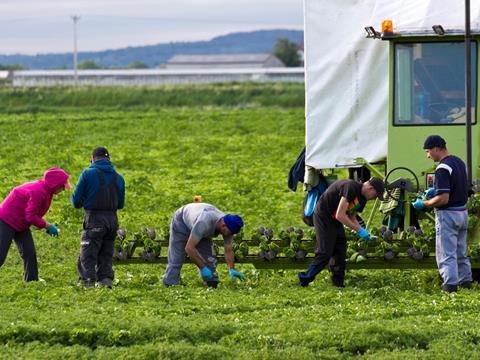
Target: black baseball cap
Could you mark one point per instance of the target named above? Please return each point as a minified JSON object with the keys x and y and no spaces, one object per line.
{"x":101,"y":152}
{"x":434,"y":141}
{"x":378,"y":185}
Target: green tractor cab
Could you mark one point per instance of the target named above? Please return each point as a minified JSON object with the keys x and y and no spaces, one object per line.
{"x":390,"y":90}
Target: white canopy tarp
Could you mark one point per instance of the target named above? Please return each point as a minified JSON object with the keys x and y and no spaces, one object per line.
{"x":346,"y":74}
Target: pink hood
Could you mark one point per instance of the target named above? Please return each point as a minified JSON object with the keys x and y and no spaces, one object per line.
{"x":55,"y":179}
{"x":28,"y":203}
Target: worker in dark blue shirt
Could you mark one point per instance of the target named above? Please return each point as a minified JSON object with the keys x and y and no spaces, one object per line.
{"x":449,"y":198}
{"x":101,"y":192}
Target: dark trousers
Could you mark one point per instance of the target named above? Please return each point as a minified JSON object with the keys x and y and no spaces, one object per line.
{"x":26,"y":248}
{"x":331,"y":248}
{"x":97,"y":245}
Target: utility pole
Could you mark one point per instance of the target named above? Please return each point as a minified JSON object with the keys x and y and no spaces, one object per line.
{"x":468,"y":91}
{"x":75,"y":19}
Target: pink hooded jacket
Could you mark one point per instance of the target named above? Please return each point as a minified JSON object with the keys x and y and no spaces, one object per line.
{"x":28,"y":203}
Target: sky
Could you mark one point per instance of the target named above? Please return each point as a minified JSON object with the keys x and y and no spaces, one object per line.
{"x":46,"y":26}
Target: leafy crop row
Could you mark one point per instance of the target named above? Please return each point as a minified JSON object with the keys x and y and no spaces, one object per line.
{"x":237,"y":159}
{"x":296,"y":244}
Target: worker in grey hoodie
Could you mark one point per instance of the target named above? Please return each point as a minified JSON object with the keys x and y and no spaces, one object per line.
{"x":191,"y":232}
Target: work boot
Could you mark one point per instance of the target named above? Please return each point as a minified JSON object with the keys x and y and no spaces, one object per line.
{"x":449,"y":288}
{"x":338,"y":275}
{"x":338,"y":282}
{"x":106,"y":283}
{"x":466,"y":285}
{"x":303,"y":279}
{"x":212,"y":283}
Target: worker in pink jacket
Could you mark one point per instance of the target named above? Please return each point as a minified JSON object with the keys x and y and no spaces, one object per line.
{"x":25,"y":206}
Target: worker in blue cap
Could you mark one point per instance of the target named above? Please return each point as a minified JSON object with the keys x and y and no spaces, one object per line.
{"x":449,"y":198}
{"x":191,"y":231}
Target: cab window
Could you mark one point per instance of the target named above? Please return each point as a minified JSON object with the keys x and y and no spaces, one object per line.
{"x":429,"y":83}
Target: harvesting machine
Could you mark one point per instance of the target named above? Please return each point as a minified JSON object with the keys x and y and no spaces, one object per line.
{"x":380,"y":76}
{"x":387,"y":75}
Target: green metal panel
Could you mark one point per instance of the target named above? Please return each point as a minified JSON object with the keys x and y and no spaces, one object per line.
{"x":405,"y":143}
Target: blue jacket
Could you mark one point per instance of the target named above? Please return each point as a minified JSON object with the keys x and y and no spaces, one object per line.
{"x":89,"y":183}
{"x":297,"y":172}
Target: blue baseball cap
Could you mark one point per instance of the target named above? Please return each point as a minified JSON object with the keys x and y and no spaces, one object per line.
{"x":234,"y":223}
{"x":434,"y":141}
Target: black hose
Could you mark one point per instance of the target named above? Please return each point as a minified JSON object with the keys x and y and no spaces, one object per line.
{"x":395,"y":169}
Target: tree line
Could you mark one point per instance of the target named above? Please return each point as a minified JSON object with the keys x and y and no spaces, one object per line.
{"x":285,"y":50}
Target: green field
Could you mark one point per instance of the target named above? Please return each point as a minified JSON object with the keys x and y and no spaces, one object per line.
{"x":236,"y":154}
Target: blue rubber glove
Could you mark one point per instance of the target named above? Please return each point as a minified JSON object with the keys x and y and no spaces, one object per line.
{"x":364,"y":234}
{"x":206,"y":273}
{"x":52,"y":230}
{"x":418,"y":204}
{"x":430,"y":193}
{"x":236,"y":274}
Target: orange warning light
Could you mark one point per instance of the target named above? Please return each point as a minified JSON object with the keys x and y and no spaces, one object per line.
{"x":387,"y":26}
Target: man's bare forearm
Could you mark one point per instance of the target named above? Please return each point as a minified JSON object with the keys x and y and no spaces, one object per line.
{"x":230,"y":257}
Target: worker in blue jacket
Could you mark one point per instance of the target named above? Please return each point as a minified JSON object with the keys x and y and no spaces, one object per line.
{"x":101,"y":192}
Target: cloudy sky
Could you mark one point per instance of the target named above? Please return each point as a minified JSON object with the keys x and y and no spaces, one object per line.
{"x":42,"y":26}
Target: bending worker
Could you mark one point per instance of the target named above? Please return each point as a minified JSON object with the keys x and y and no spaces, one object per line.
{"x":449,"y":197}
{"x":25,"y":206}
{"x":336,"y":208}
{"x":191,"y":232}
{"x":101,"y":191}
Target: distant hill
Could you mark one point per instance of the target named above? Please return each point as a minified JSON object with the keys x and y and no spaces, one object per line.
{"x":253,"y":42}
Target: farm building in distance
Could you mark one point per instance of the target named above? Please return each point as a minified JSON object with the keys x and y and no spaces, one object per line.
{"x":239,"y":61}
{"x":151,"y":77}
